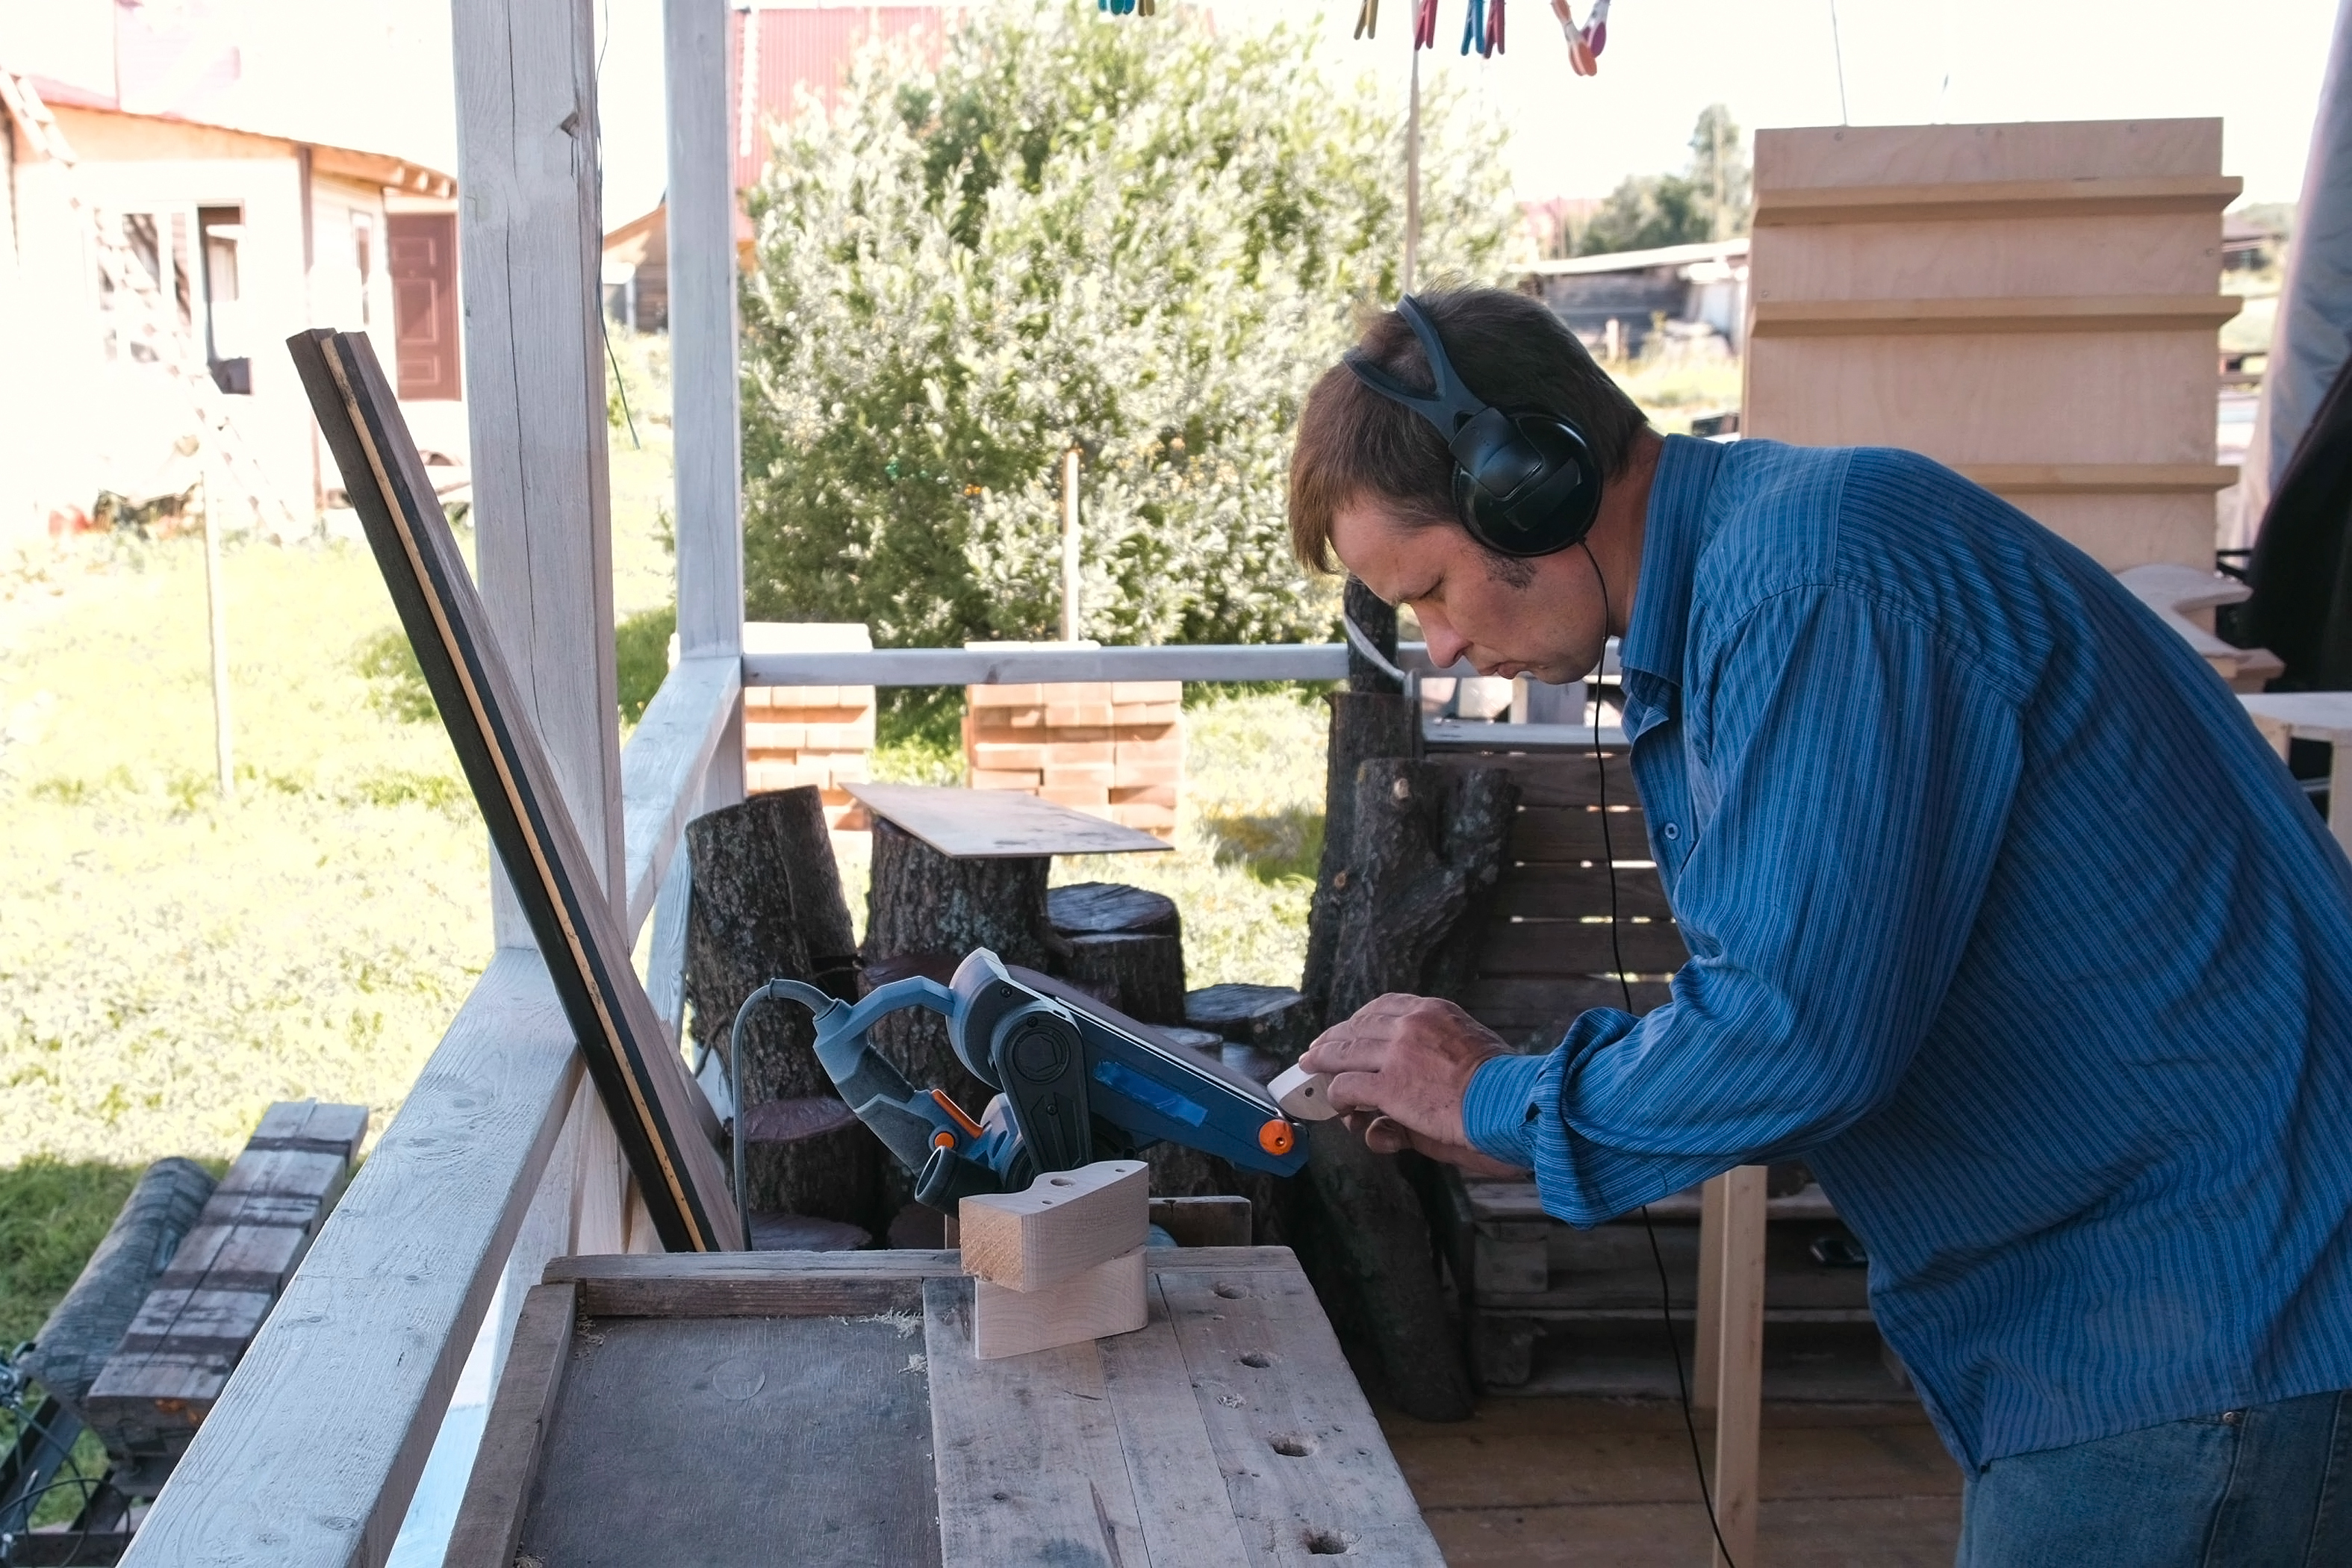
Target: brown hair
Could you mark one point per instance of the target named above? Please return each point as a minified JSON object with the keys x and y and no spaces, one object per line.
{"x":1509,"y":348}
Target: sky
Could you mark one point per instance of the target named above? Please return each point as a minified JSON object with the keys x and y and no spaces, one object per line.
{"x":2255,"y":63}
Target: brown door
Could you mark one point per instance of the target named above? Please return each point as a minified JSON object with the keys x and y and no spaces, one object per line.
{"x":422,"y":248}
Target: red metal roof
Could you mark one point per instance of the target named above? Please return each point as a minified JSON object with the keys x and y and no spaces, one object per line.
{"x":809,"y":47}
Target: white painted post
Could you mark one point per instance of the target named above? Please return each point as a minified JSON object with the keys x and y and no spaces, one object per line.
{"x":531,"y":245}
{"x":706,"y":413}
{"x":216,"y":623}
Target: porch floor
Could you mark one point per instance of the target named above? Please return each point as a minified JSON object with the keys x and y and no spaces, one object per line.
{"x":1559,"y":1480}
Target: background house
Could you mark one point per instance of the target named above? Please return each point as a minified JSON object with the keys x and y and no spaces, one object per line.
{"x":1612,"y":302}
{"x":175,"y":207}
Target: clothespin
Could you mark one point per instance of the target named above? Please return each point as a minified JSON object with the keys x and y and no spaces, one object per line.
{"x":1368,"y":19}
{"x":1473,"y":27}
{"x":1424,"y":24}
{"x":1581,"y":52}
{"x":1596,"y":28}
{"x":1494,"y":28}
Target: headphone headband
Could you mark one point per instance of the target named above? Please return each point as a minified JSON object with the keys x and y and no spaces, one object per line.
{"x":1523,"y":483}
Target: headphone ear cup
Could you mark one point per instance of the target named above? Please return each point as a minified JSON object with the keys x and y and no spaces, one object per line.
{"x":1552,"y":490}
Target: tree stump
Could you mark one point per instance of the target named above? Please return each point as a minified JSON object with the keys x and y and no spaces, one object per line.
{"x":1102,"y":908}
{"x":1272,"y":1020}
{"x":1121,"y":945}
{"x":768,"y":904}
{"x":1428,"y":841}
{"x":926,"y":912}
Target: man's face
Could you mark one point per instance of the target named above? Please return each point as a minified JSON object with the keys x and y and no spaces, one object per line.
{"x":1540,"y":616}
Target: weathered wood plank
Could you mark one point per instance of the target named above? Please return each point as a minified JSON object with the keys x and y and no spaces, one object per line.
{"x":738,"y":1441}
{"x":489,"y":1522}
{"x":310,"y":1126}
{"x":993,"y":823}
{"x":1188,"y":1518}
{"x":1306,"y":1469}
{"x":530,"y":245}
{"x":386,"y":1302}
{"x":1579,"y":947}
{"x":1050,"y":1484}
{"x":662,"y":773}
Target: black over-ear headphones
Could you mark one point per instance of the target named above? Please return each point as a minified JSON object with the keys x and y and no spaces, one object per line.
{"x":1525,"y":483}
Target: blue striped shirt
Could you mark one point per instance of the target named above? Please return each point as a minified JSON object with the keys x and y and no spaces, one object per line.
{"x":2003,"y":916}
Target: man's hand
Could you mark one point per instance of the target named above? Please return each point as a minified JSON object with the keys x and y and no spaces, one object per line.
{"x":1399,"y":1067}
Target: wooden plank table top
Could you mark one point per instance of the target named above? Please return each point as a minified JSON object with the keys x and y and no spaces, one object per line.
{"x":826,"y":1408}
{"x":995,"y":824}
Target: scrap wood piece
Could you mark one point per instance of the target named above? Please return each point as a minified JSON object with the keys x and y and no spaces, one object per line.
{"x":1093,"y":1304}
{"x":637,"y":1072}
{"x":1065,"y":1223}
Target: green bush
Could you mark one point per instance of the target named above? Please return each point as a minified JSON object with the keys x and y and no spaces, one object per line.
{"x":641,"y":652}
{"x":1144,"y":239}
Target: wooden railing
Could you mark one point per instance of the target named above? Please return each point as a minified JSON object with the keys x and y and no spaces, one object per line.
{"x":500,"y":1159}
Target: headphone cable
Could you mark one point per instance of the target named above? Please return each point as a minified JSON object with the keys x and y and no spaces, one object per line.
{"x":1625,"y":989}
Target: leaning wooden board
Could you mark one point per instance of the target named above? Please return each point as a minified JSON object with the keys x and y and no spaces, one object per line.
{"x":825,"y":1409}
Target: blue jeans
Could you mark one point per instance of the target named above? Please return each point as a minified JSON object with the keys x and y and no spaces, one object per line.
{"x":2266,"y":1487}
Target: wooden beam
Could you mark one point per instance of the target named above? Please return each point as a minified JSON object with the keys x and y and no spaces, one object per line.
{"x":990,"y":667}
{"x":2047,"y":313}
{"x":706,"y":416}
{"x":669,"y":757}
{"x":2101,"y":479}
{"x":529,"y":242}
{"x":1966,"y":200}
{"x":1065,"y":1223}
{"x":1738,"y":1359}
{"x":310,"y":1458}
{"x":490,"y":1523}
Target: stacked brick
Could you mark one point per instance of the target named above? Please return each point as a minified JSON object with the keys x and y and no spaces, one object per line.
{"x":820,"y":735}
{"x":1113,"y":749}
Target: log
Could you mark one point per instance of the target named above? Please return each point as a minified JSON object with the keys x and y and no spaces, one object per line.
{"x":1364,"y":725}
{"x":926,"y":911}
{"x":768,"y":904}
{"x":1092,"y":908}
{"x":1271,"y":1019}
{"x":1142,"y":975}
{"x":1423,"y":843}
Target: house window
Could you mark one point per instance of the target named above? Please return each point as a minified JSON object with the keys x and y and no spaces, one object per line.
{"x":227,"y":351}
{"x":422,"y":254}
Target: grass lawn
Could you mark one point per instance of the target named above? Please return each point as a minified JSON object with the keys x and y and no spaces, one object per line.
{"x":171,"y":962}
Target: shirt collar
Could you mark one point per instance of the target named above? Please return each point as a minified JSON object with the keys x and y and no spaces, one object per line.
{"x":1653,"y":643}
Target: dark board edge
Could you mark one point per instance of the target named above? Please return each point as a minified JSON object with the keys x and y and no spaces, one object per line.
{"x":489,"y":1520}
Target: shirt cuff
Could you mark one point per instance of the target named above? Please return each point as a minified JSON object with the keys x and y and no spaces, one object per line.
{"x":1501,"y":1112}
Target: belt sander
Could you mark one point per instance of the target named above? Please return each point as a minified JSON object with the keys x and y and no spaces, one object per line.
{"x":1077,"y":1082}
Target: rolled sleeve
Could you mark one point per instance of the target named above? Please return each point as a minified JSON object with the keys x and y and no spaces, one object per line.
{"x":1503,"y":1112}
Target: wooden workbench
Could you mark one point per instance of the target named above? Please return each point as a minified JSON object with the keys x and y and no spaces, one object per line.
{"x":825,"y":1409}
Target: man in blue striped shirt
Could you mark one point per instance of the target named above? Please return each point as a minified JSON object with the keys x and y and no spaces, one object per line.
{"x":1999,"y":914}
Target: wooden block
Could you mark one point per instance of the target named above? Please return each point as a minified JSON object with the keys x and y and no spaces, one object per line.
{"x":1059,"y":749}
{"x":1075,"y":691}
{"x":990,"y":721}
{"x":770,"y":737}
{"x":1124,"y":792}
{"x":1082,"y":775}
{"x":756,"y":698}
{"x":1066,"y":1221}
{"x":1155,"y":714}
{"x":1162,"y":691}
{"x":804,"y":696}
{"x":184,"y":1320}
{"x":848,"y":768}
{"x":1003,"y":695}
{"x":1076,"y":715}
{"x":1107,"y":1298}
{"x":1158,"y":819}
{"x":308,"y":1126}
{"x":1006,"y":778}
{"x":235,"y":1257}
{"x":1146,"y":752}
{"x":840,"y":737}
{"x":1301,"y":1094}
{"x":290,"y":1173}
{"x":1078,"y":797}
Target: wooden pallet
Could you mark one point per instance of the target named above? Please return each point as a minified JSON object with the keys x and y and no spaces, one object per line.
{"x":831,"y":1410}
{"x":208,"y":1303}
{"x":1528,"y":1277}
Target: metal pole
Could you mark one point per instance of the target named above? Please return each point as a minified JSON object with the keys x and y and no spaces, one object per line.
{"x":216,"y":615}
{"x":1413,"y":177}
{"x":1070,"y":545}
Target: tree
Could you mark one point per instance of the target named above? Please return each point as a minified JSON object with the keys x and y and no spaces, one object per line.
{"x":1144,"y":237}
{"x":1710,"y":201}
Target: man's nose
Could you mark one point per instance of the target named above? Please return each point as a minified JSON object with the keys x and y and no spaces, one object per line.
{"x":1445,"y":644}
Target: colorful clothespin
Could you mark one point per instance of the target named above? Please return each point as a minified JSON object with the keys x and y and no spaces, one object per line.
{"x":1583,"y":51}
{"x":1495,"y":28}
{"x":1368,"y":19}
{"x":1424,"y":24}
{"x":1473,"y":27}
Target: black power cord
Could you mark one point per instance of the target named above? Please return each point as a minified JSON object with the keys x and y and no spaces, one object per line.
{"x":1625,"y":989}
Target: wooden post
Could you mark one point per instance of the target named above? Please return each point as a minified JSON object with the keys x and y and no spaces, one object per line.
{"x":706,"y":414}
{"x":1070,"y":545}
{"x":1710,"y":1327}
{"x":1738,"y":1383}
{"x":1412,"y":175}
{"x":530,"y":245}
{"x":216,"y":623}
